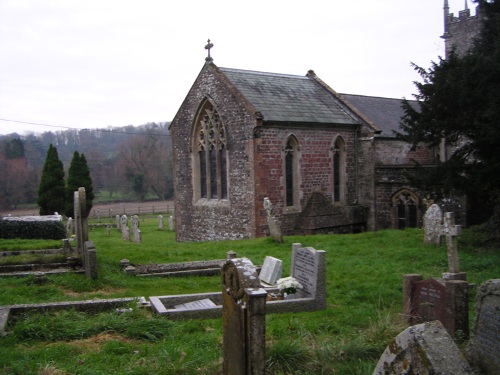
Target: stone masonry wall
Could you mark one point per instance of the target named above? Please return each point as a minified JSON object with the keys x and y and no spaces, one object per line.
{"x":211,"y":219}
{"x":314,"y":168}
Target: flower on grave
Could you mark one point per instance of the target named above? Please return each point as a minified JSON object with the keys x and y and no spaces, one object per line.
{"x":289,"y":285}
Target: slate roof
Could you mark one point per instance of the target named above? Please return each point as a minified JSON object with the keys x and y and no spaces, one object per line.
{"x":384,"y":113}
{"x":288,"y":98}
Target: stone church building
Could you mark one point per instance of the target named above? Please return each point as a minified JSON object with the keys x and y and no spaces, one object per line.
{"x":328,"y":162}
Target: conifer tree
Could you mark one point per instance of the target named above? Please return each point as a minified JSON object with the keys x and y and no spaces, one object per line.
{"x":51,"y":189}
{"x":78,"y":176}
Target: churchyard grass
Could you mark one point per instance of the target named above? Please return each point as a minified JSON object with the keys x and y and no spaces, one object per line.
{"x":364,"y":296}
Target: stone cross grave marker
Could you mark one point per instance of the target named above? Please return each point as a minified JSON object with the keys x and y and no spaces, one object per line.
{"x":451,"y":231}
{"x":274,"y":228}
{"x":161,"y":226}
{"x":433,"y":220}
{"x":244,"y":319}
{"x":271,"y":270}
{"x":135,"y":229}
{"x":483,"y":350}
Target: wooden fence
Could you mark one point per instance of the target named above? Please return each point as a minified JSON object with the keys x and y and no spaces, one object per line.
{"x":131,"y":209}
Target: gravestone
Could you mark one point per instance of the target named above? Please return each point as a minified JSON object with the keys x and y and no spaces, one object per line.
{"x":271,"y":270}
{"x":124,"y":228}
{"x":437,"y":299}
{"x":451,"y":231}
{"x":196,"y":305}
{"x":69,"y":227}
{"x":483,"y":350}
{"x":274,"y":228}
{"x":135,"y":229}
{"x":433,"y":220}
{"x":309,"y":268}
{"x":423,"y":349}
{"x":118,"y":223}
{"x":81,"y":228}
{"x":244,"y":319}
{"x":161,"y":226}
{"x":90,"y":260}
{"x":171,"y":223}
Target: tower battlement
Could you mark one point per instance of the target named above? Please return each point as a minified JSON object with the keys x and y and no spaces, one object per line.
{"x":460,"y":32}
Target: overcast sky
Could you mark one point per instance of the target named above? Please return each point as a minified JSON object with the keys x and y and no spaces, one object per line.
{"x":99,"y":63}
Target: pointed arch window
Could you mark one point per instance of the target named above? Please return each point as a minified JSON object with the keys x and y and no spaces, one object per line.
{"x":290,"y":151}
{"x":338,"y":170}
{"x":405,"y":209}
{"x":211,"y":160}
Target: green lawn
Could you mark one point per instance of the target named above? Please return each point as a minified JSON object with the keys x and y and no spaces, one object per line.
{"x":364,"y":295}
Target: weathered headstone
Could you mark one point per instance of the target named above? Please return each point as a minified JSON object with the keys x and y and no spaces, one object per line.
{"x":161,"y":226}
{"x":433,"y":222}
{"x":196,"y":305}
{"x":124,"y":228}
{"x":244,"y":319}
{"x":135,"y":229}
{"x":171,"y":223}
{"x":452,"y":231}
{"x":69,"y":227}
{"x":271,"y":270}
{"x":274,"y":228}
{"x":423,"y":349}
{"x":437,"y":299}
{"x":483,"y":350}
{"x":80,"y":209}
{"x":118,"y":223}
{"x":90,"y":260}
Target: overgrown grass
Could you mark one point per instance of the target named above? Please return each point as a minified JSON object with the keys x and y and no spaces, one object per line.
{"x":364,"y":293}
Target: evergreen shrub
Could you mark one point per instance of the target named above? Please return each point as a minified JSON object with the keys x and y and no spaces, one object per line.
{"x":47,"y":230}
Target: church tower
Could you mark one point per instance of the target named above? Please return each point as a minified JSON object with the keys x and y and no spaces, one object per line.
{"x":460,"y":32}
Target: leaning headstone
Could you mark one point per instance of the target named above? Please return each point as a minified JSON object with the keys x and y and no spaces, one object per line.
{"x":274,"y":228}
{"x":433,"y":220}
{"x":271,"y":271}
{"x":171,"y":223}
{"x":244,"y":319}
{"x":483,"y":350}
{"x":161,"y":226}
{"x":423,"y":349}
{"x":90,"y":260}
{"x":135,"y":229}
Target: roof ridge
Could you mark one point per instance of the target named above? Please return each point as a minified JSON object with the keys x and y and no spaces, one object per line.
{"x":262,"y":73}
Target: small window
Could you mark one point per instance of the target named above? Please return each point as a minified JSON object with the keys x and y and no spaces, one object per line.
{"x":291,"y":172}
{"x":210,"y":168}
{"x":338,"y":170}
{"x":405,"y":205}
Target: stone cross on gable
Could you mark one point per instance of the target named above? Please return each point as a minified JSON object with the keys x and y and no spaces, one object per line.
{"x":208,"y":47}
{"x":451,"y":232}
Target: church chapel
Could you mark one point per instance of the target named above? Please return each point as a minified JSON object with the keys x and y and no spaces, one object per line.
{"x":328,"y":162}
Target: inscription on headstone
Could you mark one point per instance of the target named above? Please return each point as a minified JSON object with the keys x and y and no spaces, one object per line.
{"x":305,"y":269}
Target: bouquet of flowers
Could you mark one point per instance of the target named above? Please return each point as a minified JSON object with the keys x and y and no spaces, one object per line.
{"x":289,"y":285}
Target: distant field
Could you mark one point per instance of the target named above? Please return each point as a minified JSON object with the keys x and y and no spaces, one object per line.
{"x":105,"y":209}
